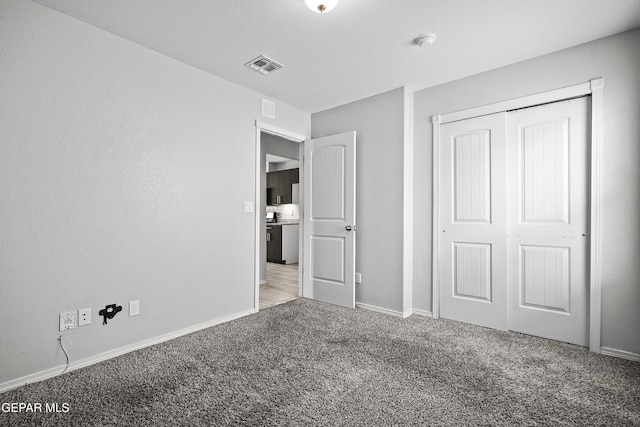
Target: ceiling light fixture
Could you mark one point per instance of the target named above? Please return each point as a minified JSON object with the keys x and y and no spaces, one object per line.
{"x":321,"y":6}
{"x":425,"y":38}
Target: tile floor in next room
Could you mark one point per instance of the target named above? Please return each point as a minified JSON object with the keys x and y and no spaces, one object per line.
{"x":281,"y":286}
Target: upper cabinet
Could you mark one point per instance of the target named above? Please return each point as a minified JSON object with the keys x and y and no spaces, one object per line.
{"x":279,"y":186}
{"x":273,"y":187}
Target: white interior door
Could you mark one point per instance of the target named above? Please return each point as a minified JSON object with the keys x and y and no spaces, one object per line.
{"x":547,"y":192}
{"x":329,"y":219}
{"x":472,"y":215}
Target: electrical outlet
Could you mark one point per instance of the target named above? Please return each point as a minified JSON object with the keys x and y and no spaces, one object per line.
{"x":67,"y":320}
{"x":84,"y":316}
{"x":134,"y":308}
{"x":358,"y":277}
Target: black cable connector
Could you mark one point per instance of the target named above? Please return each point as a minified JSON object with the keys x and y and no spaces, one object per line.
{"x":109,"y":312}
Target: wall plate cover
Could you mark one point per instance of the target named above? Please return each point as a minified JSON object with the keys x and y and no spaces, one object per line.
{"x":67,"y":320}
{"x":134,"y":308}
{"x":84,"y":316}
{"x":268,"y":108}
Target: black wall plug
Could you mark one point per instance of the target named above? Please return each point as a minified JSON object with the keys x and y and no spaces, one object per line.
{"x":109,"y":312}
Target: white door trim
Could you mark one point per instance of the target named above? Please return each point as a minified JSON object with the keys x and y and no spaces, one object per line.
{"x":595,"y":239}
{"x":593,"y":88}
{"x":435,"y":215}
{"x":525,"y":101}
{"x":291,"y":136}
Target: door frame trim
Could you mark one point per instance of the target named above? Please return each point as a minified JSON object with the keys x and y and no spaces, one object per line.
{"x":291,"y":136}
{"x":595,"y":89}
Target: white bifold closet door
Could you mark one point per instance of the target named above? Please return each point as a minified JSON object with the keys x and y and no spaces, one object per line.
{"x":513,"y":216}
{"x":473,"y":221}
{"x":547,"y":178}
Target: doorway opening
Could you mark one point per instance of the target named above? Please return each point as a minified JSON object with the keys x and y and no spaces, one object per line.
{"x":282,"y":222}
{"x":279,"y":214}
{"x":326,"y":236}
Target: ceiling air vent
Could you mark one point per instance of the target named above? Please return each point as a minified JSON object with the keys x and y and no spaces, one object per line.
{"x":263,"y":64}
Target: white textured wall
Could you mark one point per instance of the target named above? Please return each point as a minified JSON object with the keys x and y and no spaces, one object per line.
{"x":122,"y":176}
{"x":379,"y":125}
{"x":615,"y":58}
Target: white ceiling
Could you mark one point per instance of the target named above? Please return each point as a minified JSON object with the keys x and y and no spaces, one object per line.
{"x":362,"y":47}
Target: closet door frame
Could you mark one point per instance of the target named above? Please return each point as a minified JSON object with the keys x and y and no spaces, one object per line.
{"x":595,"y":89}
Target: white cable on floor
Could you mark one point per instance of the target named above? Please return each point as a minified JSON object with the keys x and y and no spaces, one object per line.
{"x":65,"y":353}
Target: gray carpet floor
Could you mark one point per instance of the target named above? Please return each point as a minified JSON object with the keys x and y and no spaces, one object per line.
{"x":309,"y":363}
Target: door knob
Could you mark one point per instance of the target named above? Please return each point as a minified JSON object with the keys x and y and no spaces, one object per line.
{"x":349,"y":228}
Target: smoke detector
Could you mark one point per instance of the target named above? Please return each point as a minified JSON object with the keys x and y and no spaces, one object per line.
{"x":263,"y":64}
{"x":425,"y":39}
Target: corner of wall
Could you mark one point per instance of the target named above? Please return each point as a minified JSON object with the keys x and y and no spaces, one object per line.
{"x":407,"y":207}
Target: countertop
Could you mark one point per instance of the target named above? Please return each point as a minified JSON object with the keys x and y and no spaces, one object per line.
{"x":283,"y":223}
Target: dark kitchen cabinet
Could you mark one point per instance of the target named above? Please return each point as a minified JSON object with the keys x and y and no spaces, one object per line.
{"x":279,"y":186}
{"x":274,"y":243}
{"x":282,"y":243}
{"x":273,"y":187}
{"x":284,"y":179}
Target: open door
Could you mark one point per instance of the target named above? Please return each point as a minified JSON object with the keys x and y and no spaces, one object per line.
{"x":329,"y":219}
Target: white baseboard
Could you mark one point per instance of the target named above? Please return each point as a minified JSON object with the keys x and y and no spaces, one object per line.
{"x":395,"y":313}
{"x":382,"y":310}
{"x":91,"y":360}
{"x":424,"y":313}
{"x":620,"y":353}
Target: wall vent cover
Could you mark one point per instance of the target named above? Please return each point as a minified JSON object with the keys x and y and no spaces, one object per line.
{"x":268,"y":108}
{"x":264,"y":64}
